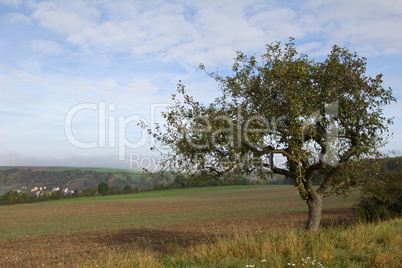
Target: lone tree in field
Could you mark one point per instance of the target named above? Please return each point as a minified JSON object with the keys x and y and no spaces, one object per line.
{"x":318,"y":117}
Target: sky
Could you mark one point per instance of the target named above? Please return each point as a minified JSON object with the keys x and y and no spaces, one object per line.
{"x":77,"y":76}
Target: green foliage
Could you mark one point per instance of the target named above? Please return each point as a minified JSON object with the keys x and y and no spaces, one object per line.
{"x":318,"y":116}
{"x":128,"y":189}
{"x":203,"y":180}
{"x":103,"y":188}
{"x":89,"y":192}
{"x":383,"y":201}
{"x":180,"y":181}
{"x":11,"y":197}
{"x":56,"y":195}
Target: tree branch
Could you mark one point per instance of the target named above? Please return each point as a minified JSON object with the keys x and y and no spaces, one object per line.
{"x":334,"y":171}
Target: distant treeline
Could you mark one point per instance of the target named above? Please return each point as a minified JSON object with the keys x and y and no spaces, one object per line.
{"x":184,"y":181}
{"x":14,"y":197}
{"x":108,"y":185}
{"x":104,"y":188}
{"x":72,"y":178}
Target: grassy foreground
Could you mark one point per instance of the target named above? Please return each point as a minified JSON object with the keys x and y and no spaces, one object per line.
{"x":358,"y":245}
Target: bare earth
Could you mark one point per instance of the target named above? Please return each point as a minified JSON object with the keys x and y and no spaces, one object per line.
{"x":69,"y":249}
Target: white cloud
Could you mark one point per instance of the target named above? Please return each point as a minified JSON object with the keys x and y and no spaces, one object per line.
{"x":66,"y":18}
{"x":163,"y":29}
{"x":211,"y":31}
{"x":309,"y":47}
{"x":23,"y":91}
{"x":19,"y":78}
{"x":141,"y":86}
{"x":46,"y":46}
{"x":370,"y":27}
{"x":14,"y":3}
{"x":17,"y":17}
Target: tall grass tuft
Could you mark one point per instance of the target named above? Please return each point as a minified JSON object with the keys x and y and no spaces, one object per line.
{"x":357,"y":245}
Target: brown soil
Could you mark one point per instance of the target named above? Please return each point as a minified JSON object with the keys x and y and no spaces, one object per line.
{"x":50,"y":250}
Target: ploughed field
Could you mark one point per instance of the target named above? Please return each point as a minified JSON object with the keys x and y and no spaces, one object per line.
{"x":70,"y":231}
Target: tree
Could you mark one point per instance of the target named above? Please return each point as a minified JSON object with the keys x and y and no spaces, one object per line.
{"x":383,"y":201}
{"x":180,"y":181}
{"x":103,"y":188}
{"x":316,"y":116}
{"x":114,"y":190}
{"x":128,"y":189}
{"x":143,"y":181}
{"x":11,"y":197}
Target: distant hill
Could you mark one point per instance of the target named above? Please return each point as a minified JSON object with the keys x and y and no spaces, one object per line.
{"x":82,"y":178}
{"x":69,"y":177}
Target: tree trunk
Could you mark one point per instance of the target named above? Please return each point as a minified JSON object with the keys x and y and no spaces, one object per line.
{"x":314,"y":213}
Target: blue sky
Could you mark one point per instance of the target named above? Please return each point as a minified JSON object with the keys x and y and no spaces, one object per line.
{"x":124,"y":58}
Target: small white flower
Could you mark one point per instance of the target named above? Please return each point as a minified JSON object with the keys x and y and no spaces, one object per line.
{"x":289,"y":264}
{"x":250,"y":266}
{"x":264,"y":260}
{"x":307,"y":258}
{"x":293,"y":264}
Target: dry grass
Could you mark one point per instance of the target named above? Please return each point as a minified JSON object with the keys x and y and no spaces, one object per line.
{"x":358,"y":245}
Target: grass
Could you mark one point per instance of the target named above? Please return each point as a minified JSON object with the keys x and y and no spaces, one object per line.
{"x":149,"y":230}
{"x":226,"y":190}
{"x":157,"y":208}
{"x":357,"y":245}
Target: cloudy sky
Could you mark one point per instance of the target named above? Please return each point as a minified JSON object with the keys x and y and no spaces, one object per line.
{"x":76,"y":76}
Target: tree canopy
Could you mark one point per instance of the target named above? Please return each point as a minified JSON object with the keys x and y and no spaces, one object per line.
{"x":315,"y":116}
{"x":103,"y":188}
